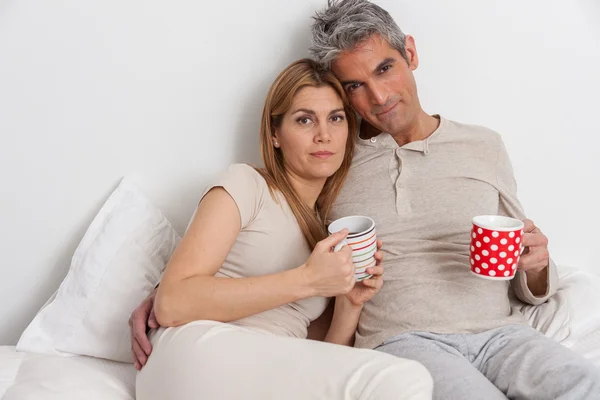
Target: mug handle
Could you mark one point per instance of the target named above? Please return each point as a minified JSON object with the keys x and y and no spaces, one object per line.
{"x":339,"y":246}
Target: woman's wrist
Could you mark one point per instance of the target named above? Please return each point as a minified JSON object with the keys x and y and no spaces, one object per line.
{"x":344,"y":322}
{"x":346,"y":305}
{"x":303,"y":285}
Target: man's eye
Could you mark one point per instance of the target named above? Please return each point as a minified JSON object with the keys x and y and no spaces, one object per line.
{"x":353,"y":87}
{"x":385,"y":68}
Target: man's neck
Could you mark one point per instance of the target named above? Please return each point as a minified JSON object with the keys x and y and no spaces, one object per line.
{"x":420,"y":128}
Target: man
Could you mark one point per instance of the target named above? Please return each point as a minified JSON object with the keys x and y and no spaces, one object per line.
{"x":422,"y":179}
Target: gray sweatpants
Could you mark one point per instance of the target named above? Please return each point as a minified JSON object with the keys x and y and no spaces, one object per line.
{"x":513,"y":361}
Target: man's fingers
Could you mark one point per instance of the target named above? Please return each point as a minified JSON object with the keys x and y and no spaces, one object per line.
{"x":534,"y":239}
{"x":379,"y":244}
{"x":139,"y":354}
{"x":534,"y":259}
{"x":528,"y":225}
{"x":134,"y":357}
{"x":152,"y":321}
{"x":139,"y":334}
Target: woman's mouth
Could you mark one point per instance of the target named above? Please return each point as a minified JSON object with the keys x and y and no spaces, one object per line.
{"x":323,"y":155}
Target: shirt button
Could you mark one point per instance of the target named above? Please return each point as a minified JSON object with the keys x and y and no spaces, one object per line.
{"x":373,"y":140}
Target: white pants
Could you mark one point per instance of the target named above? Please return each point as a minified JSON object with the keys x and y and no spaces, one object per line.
{"x":212,"y":360}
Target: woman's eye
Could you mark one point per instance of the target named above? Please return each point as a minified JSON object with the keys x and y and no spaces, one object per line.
{"x":337,"y":118}
{"x":304,"y":120}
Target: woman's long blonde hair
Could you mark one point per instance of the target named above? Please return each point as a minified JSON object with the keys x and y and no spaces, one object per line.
{"x":296,"y":76}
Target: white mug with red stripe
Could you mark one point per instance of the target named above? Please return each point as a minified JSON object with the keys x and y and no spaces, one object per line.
{"x":362,"y":239}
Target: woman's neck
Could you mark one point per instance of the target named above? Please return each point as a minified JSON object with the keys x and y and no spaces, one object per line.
{"x":308,"y":190}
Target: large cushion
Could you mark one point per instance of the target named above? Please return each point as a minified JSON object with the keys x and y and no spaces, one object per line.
{"x":118,"y":262}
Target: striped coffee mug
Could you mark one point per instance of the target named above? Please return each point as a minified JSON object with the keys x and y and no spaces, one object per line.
{"x":362,"y":239}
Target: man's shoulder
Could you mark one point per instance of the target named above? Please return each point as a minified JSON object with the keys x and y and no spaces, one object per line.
{"x":471,"y":131}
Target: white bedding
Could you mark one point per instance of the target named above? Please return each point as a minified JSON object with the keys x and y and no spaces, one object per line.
{"x":571,"y":317}
{"x":27,"y":376}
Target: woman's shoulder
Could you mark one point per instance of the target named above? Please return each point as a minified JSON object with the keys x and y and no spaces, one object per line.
{"x":248,"y":189}
{"x":243,"y":170}
{"x":246,"y":176}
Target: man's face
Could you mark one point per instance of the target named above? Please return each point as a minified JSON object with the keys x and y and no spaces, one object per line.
{"x":380,"y":83}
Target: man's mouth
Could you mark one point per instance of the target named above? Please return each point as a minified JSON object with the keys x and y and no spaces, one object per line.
{"x":387,"y":110}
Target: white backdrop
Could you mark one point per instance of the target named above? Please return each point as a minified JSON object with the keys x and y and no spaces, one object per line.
{"x":171,"y":92}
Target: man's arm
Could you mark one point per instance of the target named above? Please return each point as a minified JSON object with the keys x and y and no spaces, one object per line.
{"x":141,"y":319}
{"x":535,"y":260}
{"x":537,"y":282}
{"x":537,"y":278}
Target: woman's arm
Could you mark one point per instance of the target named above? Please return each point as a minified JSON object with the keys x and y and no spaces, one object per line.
{"x":189,"y":290}
{"x":348,"y":307}
{"x":339,"y":329}
{"x":344,"y":322}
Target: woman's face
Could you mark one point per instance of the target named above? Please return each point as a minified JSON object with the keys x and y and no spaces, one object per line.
{"x":313,"y":134}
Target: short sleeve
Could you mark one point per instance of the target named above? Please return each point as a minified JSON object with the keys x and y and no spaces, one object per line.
{"x":247,"y":188}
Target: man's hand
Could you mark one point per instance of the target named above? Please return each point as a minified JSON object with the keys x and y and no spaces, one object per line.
{"x":535,"y":259}
{"x":141,"y":319}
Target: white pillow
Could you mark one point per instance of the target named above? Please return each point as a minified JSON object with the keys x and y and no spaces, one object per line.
{"x":118,"y":262}
{"x":571,"y":313}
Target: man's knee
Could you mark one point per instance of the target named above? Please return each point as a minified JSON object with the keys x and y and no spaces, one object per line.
{"x":584,"y":377}
{"x":568,"y":377}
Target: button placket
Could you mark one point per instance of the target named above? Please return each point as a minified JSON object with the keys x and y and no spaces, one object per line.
{"x":402,"y":203}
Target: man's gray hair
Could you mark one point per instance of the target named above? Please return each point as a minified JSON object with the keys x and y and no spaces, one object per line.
{"x":345,"y":23}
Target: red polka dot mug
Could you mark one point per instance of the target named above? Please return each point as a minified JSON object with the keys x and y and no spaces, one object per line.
{"x":496,"y":244}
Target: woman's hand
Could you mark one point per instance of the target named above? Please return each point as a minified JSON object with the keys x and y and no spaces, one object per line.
{"x":365,"y":290}
{"x":329,"y":274}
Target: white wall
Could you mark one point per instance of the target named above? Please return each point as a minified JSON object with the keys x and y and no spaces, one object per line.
{"x":171,"y":92}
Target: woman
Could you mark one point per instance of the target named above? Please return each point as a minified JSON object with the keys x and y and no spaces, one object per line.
{"x":239,"y":338}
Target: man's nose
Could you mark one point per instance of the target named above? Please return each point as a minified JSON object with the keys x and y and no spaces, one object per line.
{"x":378,"y":94}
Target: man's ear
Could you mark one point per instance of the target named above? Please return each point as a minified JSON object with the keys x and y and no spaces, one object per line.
{"x":411,"y":52}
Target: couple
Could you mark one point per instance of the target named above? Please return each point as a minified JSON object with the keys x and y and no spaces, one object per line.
{"x":421,"y":178}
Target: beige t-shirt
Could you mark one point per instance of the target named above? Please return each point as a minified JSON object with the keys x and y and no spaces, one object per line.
{"x":423,"y":197}
{"x":270,"y":241}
